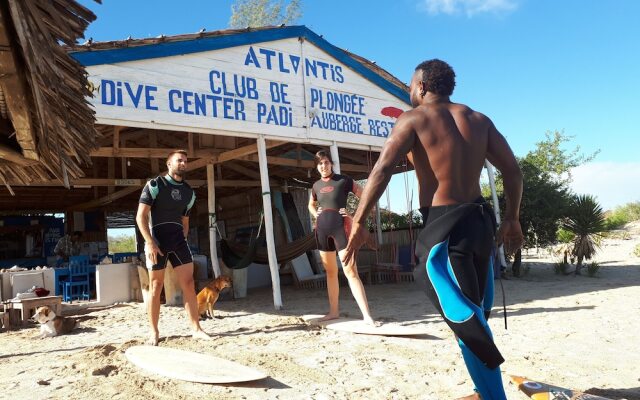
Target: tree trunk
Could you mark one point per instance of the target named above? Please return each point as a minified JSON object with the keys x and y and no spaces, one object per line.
{"x":579,"y":265}
{"x":517,"y":263}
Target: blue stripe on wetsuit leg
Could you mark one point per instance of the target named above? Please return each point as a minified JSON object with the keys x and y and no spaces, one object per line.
{"x":458,"y":309}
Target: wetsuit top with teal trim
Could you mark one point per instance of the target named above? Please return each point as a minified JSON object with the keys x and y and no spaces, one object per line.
{"x":170,"y":200}
{"x":332,"y":193}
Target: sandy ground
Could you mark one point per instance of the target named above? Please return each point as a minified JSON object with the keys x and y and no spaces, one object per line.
{"x":577,"y":332}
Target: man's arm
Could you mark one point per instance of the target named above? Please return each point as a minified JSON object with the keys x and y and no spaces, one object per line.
{"x":399,"y":143}
{"x":313,"y":207}
{"x":185,"y":226}
{"x":142,"y":219}
{"x":151,"y":248}
{"x":500,"y":155}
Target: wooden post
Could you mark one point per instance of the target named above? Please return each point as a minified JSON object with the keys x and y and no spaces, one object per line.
{"x":378,"y":223}
{"x":268,"y":222}
{"x":335,"y":156}
{"x":496,"y":206}
{"x":211,"y":202}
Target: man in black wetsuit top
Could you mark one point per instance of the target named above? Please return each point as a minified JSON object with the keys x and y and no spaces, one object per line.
{"x":163,"y":220}
{"x":447,"y":144}
{"x":328,"y":204}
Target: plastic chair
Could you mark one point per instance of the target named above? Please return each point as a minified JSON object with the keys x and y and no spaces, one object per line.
{"x":77,"y":286}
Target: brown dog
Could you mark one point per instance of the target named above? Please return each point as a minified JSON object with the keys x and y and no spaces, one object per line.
{"x":209,"y":295}
{"x":52,"y":324}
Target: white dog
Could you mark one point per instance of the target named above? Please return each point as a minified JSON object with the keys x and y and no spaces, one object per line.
{"x":52,"y":324}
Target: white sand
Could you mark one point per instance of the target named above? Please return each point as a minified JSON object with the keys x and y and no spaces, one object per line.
{"x":577,"y":332}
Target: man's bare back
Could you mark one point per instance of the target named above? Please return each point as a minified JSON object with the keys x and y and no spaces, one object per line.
{"x":446,"y":133}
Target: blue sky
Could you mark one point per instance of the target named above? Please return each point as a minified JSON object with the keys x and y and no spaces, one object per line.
{"x":530,"y":65}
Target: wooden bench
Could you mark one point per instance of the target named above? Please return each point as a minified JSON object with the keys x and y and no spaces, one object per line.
{"x":26,"y":305}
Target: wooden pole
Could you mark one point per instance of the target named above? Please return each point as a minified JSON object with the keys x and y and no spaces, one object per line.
{"x":335,"y":156}
{"x":211,"y":202}
{"x":268,"y":222}
{"x":378,"y":223}
{"x":496,"y":206}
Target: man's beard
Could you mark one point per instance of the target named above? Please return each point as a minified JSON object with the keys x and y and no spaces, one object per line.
{"x":179,"y":173}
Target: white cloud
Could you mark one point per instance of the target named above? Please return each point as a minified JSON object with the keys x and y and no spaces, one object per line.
{"x":613,"y":183}
{"x":468,"y":7}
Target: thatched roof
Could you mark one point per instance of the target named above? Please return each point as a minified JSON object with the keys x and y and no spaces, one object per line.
{"x":46,"y":125}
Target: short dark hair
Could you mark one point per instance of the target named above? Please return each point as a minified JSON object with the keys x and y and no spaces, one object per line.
{"x":178,"y":151}
{"x":438,"y":77}
{"x":77,"y":233}
{"x":322,"y":154}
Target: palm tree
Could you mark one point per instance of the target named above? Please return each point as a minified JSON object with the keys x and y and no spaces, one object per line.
{"x":586,"y":221}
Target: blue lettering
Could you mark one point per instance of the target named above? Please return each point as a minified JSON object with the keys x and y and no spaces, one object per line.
{"x":339,"y":77}
{"x":212,"y":74}
{"x":324,"y":67}
{"x":240,"y":114}
{"x":186,"y":100}
{"x":174,"y":95}
{"x":252,"y":91}
{"x":200,"y":102}
{"x":268,"y":54}
{"x":135,"y":97}
{"x":251,"y":58}
{"x":295,"y":62}
{"x":281,"y":63}
{"x":149,"y":97}
{"x":108,"y":92}
{"x":310,"y":66}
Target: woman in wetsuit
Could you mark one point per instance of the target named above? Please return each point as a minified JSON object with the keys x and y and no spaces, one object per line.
{"x":328,"y":204}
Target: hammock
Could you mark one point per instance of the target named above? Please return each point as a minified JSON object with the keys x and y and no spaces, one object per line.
{"x":233,"y":260}
{"x":284,"y":253}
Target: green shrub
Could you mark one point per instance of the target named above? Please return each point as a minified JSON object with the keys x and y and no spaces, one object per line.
{"x":622,"y":215}
{"x":636,"y":251}
{"x":564,"y":236}
{"x":561,"y":267}
{"x":592,"y":268}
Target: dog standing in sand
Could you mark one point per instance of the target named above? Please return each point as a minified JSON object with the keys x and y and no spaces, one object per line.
{"x":52,"y":324}
{"x":208,"y":296}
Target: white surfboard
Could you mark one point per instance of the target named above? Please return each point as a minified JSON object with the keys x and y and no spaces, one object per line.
{"x":358,"y":326}
{"x":190,"y":366}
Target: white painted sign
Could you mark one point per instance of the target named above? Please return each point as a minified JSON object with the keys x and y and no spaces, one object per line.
{"x":284,"y":89}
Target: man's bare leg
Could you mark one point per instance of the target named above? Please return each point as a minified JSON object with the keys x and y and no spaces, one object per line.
{"x":333,"y":286}
{"x":184,"y":274}
{"x":156,"y":281}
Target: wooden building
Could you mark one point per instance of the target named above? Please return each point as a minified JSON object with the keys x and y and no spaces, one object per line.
{"x":251,"y":107}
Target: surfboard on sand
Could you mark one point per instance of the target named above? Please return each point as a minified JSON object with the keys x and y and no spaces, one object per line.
{"x":357,"y":326}
{"x":190,"y":366}
{"x":543,"y":391}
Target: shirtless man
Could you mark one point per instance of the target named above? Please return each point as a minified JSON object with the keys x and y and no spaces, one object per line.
{"x":163,"y":220}
{"x":448,"y":144}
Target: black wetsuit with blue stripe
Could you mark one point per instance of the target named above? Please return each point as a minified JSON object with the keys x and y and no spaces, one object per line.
{"x":457,"y":249}
{"x":170,"y":201}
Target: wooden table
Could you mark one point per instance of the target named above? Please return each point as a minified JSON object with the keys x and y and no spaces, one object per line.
{"x":26,"y":305}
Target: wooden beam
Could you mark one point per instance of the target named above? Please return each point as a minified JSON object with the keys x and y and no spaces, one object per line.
{"x":82,"y":183}
{"x":14,"y":87}
{"x":242,"y":170}
{"x":103,"y":201}
{"x":146,"y":152}
{"x":199,"y":163}
{"x":288,"y":162}
{"x":111,"y":172}
{"x":9,"y":154}
{"x":246,"y":150}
